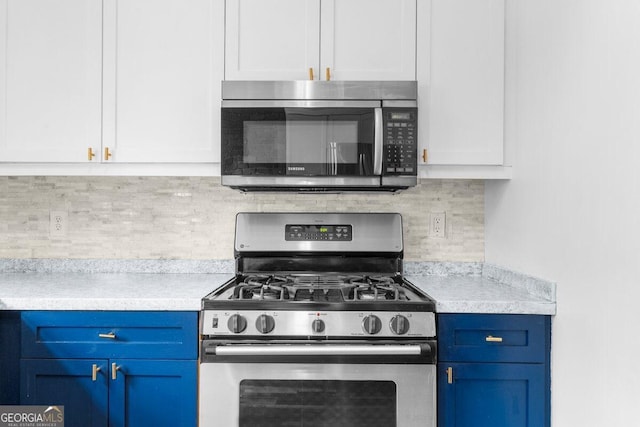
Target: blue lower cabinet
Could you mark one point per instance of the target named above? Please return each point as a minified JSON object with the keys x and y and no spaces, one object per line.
{"x":109,"y":334}
{"x":155,"y":393}
{"x":9,"y":357}
{"x":491,"y":395}
{"x":115,"y":369}
{"x":70,"y":383}
{"x":493,"y":370}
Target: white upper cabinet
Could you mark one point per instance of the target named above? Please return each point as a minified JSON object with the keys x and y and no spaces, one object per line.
{"x":271,"y":39}
{"x":162,"y":80}
{"x":50,"y":79}
{"x":133,"y":86}
{"x":461,"y":97}
{"x":368,"y":39}
{"x":335,"y":39}
{"x":134,"y":81}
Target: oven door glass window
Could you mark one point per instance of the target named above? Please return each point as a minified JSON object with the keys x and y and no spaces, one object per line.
{"x":317,"y":403}
{"x":298,"y":141}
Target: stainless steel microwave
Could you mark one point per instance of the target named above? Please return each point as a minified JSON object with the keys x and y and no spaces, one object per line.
{"x":319,"y":135}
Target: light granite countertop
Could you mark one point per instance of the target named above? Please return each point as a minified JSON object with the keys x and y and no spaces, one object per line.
{"x":106,"y":291}
{"x":473,"y":294}
{"x":481,"y":289}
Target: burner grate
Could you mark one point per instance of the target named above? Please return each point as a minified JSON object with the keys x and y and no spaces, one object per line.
{"x":319,"y":288}
{"x":262,"y":288}
{"x":328,"y":280}
{"x":376,"y":293}
{"x":376,"y":288}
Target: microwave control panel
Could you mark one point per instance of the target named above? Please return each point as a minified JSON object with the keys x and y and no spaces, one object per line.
{"x":400,"y":141}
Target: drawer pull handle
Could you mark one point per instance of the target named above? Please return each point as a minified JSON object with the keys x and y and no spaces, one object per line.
{"x":450,"y":375}
{"x":110,"y":335}
{"x":493,"y":339}
{"x":114,"y":371}
{"x":94,"y":372}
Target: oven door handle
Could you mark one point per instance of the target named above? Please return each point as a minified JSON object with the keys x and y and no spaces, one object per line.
{"x":318,"y":350}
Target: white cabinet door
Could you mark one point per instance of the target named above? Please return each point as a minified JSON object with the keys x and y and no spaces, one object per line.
{"x":50,"y":72}
{"x":163,"y":71}
{"x":272,"y":39}
{"x":463,"y":108}
{"x":355,"y":39}
{"x":368,"y":39}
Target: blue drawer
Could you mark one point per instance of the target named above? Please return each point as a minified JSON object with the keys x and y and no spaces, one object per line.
{"x":109,"y":334}
{"x":493,"y":338}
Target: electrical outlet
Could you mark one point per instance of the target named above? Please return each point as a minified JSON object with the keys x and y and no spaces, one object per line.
{"x":58,"y":223}
{"x":438,"y":224}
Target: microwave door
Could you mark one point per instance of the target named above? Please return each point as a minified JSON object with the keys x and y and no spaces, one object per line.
{"x":298,"y":145}
{"x":309,"y":150}
{"x":330,"y":142}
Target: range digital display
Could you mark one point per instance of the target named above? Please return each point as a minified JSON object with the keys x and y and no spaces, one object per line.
{"x":307,"y":232}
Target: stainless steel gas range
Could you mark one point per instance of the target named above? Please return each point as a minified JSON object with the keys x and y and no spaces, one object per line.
{"x":318,"y":327}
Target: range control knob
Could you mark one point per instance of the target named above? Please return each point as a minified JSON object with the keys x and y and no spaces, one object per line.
{"x":237,"y":323}
{"x":399,"y":325}
{"x":317,"y":326}
{"x":265,"y":323}
{"x":371,"y":324}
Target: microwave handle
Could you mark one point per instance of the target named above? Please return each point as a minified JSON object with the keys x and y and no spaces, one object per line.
{"x":378,"y":136}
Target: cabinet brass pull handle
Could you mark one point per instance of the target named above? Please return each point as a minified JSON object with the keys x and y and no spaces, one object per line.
{"x":90,"y":154}
{"x":107,"y":153}
{"x":114,"y":371}
{"x":94,"y":372}
{"x":110,"y":335}
{"x":310,"y":73}
{"x":328,"y":73}
{"x":425,"y":157}
{"x":493,"y":339}
{"x":450,"y":375}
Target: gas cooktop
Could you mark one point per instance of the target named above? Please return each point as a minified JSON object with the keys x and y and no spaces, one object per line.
{"x":295,"y":279}
{"x":324,"y":288}
{"x":320,"y":306}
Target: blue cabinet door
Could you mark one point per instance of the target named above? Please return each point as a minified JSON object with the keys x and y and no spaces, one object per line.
{"x":9,"y":357}
{"x":109,"y":334}
{"x":491,"y":395}
{"x":159,"y":393}
{"x":70,"y":383}
{"x":142,"y":391}
{"x":516,"y":338}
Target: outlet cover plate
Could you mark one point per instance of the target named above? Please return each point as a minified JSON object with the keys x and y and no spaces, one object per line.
{"x":58,"y":223}
{"x":438,"y":225}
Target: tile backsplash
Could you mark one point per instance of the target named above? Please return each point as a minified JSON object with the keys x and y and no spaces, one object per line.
{"x":193,"y":217}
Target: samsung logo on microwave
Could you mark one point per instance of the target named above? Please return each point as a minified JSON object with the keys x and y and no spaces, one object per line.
{"x":295,"y":168}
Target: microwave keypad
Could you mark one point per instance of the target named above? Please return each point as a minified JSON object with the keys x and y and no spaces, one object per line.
{"x":400,"y":147}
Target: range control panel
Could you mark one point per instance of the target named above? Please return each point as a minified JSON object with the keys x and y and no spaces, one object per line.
{"x":400,"y":141}
{"x":297,"y":232}
{"x":294,"y":323}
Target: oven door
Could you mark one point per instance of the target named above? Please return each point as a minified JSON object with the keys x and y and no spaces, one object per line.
{"x":290,"y":386}
{"x":301,"y":143}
